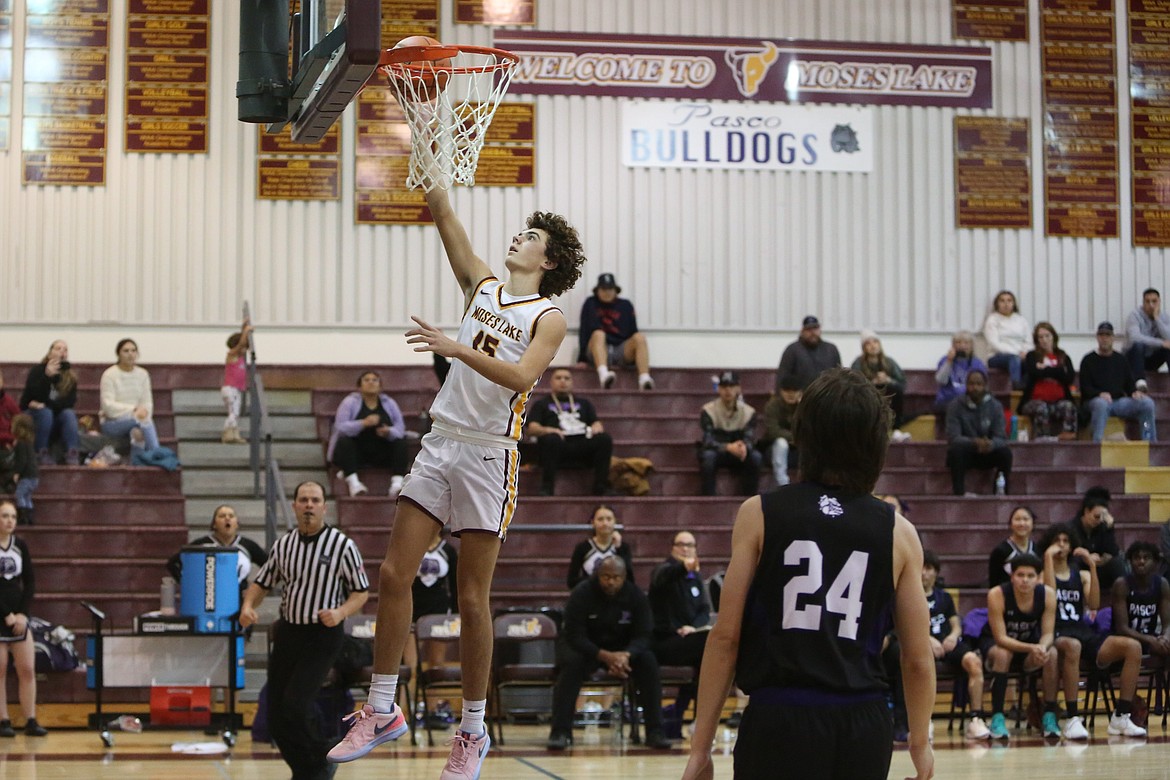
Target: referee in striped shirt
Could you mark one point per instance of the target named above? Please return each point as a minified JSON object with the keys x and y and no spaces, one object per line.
{"x":324,"y":583}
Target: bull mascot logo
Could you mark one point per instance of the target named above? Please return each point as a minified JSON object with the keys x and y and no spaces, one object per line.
{"x":750,"y":66}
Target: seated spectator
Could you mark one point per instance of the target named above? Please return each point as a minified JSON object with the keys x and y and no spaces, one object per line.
{"x":886,"y":375}
{"x":368,"y":431}
{"x":8,"y":410}
{"x":22,"y":476}
{"x":607,"y":625}
{"x":728,"y":425}
{"x":1108,"y":389}
{"x":225,"y":532}
{"x":127,"y":403}
{"x":1147,"y":335}
{"x":16,"y":641}
{"x":50,"y":393}
{"x":605,"y":542}
{"x":1092,"y":529}
{"x":975,"y":434}
{"x":1141,"y":601}
{"x":1072,"y":575}
{"x":435,"y":591}
{"x":1022,"y":522}
{"x":778,"y":413}
{"x":680,"y":605}
{"x":1019,"y":637}
{"x":953,"y":368}
{"x":804,"y":359}
{"x":609,"y":335}
{"x":568,"y":433}
{"x":949,"y":646}
{"x":1008,"y":336}
{"x":1048,"y":382}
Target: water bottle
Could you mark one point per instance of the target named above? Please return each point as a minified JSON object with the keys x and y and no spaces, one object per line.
{"x":1000,"y":484}
{"x":166,"y":596}
{"x":615,"y":721}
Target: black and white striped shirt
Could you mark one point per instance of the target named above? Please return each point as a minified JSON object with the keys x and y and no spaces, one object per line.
{"x":318,"y":572}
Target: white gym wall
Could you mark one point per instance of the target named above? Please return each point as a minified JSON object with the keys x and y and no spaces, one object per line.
{"x":721,"y":265}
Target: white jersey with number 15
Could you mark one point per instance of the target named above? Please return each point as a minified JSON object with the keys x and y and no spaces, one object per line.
{"x":502,"y":327}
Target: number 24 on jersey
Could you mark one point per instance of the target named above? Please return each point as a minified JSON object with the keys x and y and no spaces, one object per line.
{"x":843,"y":596}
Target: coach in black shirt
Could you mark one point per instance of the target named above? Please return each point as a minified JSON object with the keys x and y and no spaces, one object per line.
{"x":607,"y":625}
{"x":324,"y":583}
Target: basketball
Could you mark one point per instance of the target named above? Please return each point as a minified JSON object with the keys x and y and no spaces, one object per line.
{"x":425,"y":84}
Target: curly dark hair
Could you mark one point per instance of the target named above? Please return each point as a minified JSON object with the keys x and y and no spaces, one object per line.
{"x":563,"y":248}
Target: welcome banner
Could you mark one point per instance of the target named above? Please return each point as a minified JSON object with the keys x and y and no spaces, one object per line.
{"x":747,"y":136}
{"x":748,"y":69}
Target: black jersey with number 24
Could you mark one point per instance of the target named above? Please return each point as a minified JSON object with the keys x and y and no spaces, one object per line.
{"x":822,"y":598}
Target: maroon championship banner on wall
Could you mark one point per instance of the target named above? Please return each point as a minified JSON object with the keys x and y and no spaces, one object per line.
{"x":167,"y":70}
{"x":1149,"y":80}
{"x":1078,"y":60}
{"x":748,"y":69}
{"x":66,"y":67}
{"x":990,"y":20}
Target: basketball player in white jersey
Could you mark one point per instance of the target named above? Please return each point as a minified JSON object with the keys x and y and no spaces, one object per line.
{"x":465,"y":477}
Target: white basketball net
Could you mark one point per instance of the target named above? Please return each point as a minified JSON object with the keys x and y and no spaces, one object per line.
{"x":448,"y":109}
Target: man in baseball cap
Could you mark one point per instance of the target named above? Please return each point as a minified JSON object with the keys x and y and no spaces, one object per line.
{"x":805,"y":358}
{"x":729,"y":438}
{"x":609,"y":335}
{"x":1108,"y":389}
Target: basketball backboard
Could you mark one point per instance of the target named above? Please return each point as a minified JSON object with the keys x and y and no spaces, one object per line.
{"x":304,"y":69}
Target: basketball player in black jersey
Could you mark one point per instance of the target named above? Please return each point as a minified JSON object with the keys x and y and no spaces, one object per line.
{"x":817,"y":571}
{"x":1020,"y":636}
{"x":1142,"y":599}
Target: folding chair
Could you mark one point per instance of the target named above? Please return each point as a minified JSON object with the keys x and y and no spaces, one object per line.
{"x":524,"y":657}
{"x":1157,"y":686}
{"x":1099,"y":685}
{"x":436,"y":636}
{"x":679,"y":678}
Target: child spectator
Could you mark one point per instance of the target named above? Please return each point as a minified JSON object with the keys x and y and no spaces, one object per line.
{"x":25,"y":472}
{"x":235,"y":383}
{"x":8,"y":410}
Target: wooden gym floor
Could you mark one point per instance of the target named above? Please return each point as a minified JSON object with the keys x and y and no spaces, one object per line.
{"x":80,"y":754}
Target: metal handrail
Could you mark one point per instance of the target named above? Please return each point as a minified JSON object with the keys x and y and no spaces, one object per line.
{"x":278,"y":515}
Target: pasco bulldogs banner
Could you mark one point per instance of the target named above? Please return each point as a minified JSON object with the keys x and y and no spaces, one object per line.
{"x":747,"y":136}
{"x":748,"y":69}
